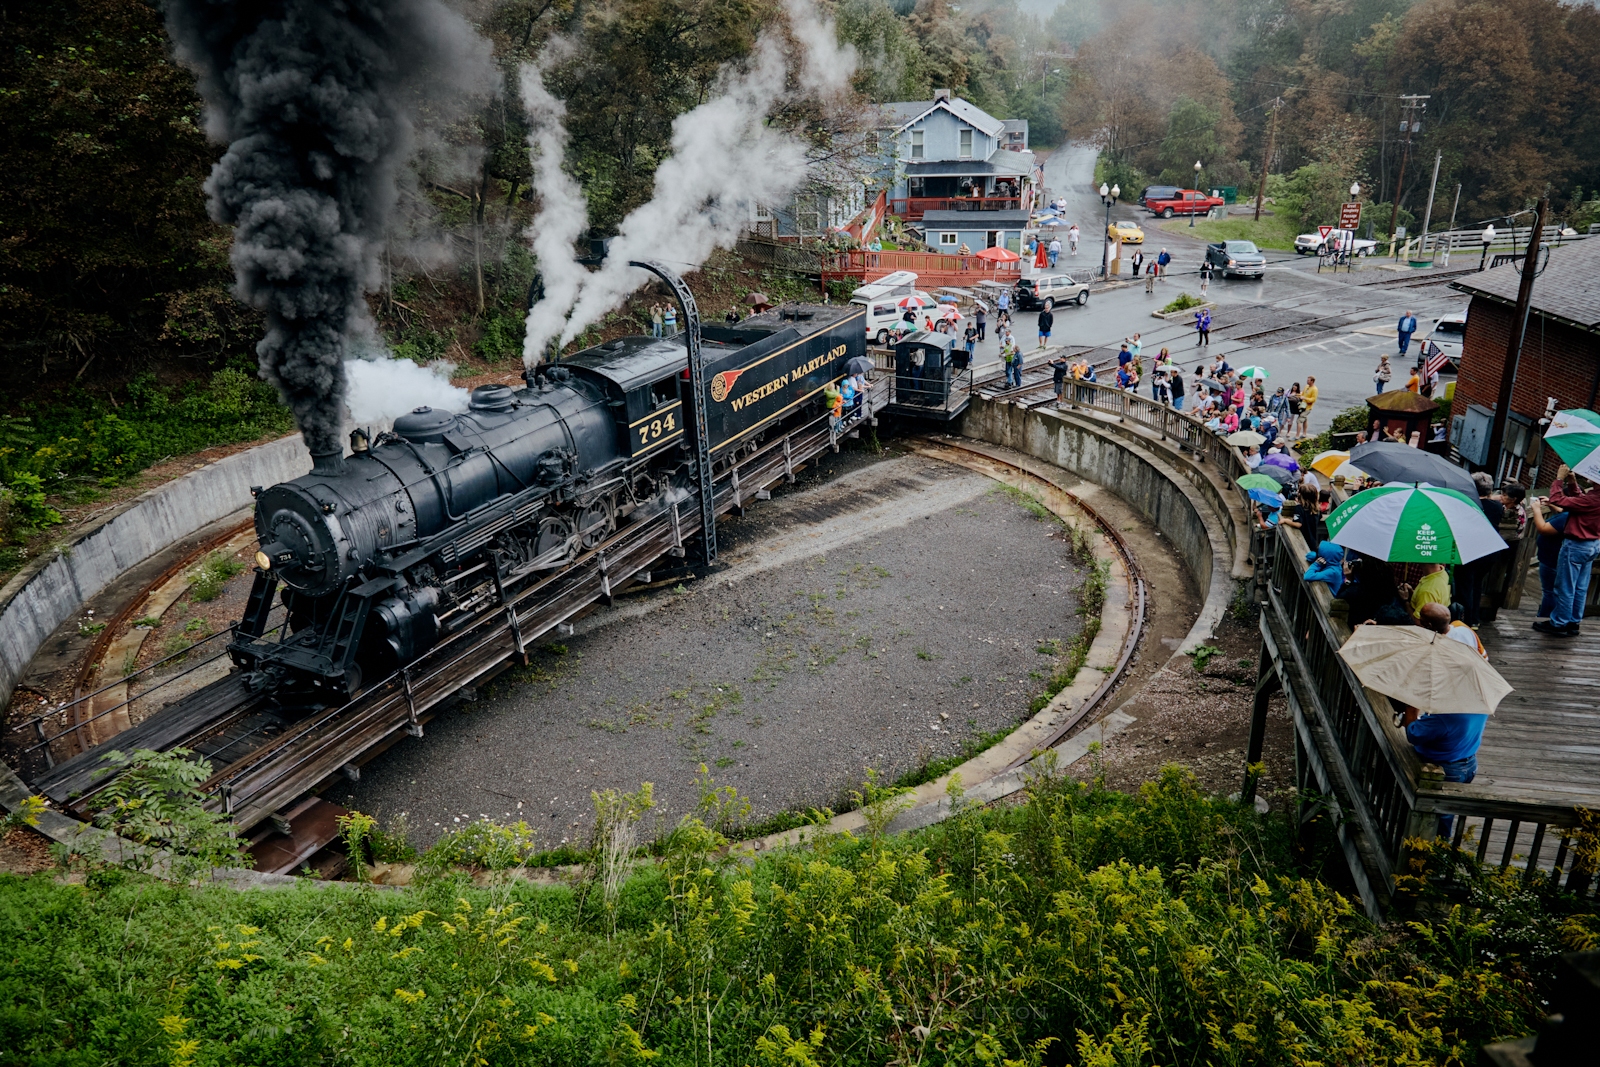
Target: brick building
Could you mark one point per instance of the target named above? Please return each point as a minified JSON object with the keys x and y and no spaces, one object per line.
{"x":1560,"y":357}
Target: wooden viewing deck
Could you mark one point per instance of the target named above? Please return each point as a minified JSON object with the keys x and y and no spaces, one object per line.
{"x":1539,"y":763}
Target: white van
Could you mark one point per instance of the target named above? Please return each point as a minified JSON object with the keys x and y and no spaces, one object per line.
{"x":882,"y":301}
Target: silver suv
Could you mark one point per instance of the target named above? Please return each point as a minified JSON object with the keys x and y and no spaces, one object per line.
{"x":1047,"y":290}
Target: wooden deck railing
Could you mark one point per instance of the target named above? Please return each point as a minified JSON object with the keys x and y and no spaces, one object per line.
{"x":1350,"y":752}
{"x":861,"y":263}
{"x":914,"y":207}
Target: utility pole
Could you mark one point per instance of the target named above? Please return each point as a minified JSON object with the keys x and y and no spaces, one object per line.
{"x":1407,"y":127}
{"x":1427,"y":216}
{"x":1519,"y":329}
{"x":1266,"y":161}
{"x":1452,"y":230}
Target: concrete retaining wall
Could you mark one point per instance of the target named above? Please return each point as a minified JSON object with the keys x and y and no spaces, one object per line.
{"x":53,"y":588}
{"x":1183,"y":504}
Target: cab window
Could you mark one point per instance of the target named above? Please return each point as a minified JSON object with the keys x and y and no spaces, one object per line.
{"x":663,"y":393}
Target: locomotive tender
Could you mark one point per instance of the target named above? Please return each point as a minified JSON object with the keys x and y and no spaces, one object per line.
{"x":419,"y":532}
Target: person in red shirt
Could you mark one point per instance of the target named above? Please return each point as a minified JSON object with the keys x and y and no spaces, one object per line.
{"x":1579,"y":547}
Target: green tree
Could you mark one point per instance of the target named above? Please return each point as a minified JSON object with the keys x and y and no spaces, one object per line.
{"x":107,"y":247}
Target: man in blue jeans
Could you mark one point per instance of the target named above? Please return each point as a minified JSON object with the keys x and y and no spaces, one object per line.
{"x":1407,"y":327}
{"x":1580,"y":546}
{"x":1451,"y":740}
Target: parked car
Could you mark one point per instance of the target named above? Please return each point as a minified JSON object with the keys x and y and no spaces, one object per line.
{"x":1048,"y":290}
{"x":1183,"y":202}
{"x":1127,"y":231}
{"x":1315,"y":244}
{"x":1237,"y":257}
{"x":1449,"y":333}
{"x":1157,"y":192}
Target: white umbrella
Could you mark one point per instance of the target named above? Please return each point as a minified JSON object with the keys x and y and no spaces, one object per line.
{"x":1427,"y":670}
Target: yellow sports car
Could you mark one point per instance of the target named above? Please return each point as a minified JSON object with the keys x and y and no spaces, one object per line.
{"x":1127,"y":232}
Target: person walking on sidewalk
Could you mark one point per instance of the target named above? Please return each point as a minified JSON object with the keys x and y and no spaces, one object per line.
{"x":1055,"y":250}
{"x":1202,"y":327}
{"x":1161,"y":263}
{"x":1047,"y":321}
{"x":1150,"y":277}
{"x":1205,"y":277}
{"x":1382,"y":374}
{"x":982,"y":318}
{"x":1072,"y":238}
{"x":1138,"y":262}
{"x":1406,"y":327}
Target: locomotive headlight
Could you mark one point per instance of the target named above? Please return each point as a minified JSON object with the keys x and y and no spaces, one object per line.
{"x":269,"y":556}
{"x":263,"y":561}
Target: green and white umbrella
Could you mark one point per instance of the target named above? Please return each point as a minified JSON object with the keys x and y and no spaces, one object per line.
{"x":1254,"y":372}
{"x":1575,"y":437}
{"x":1414,"y":524}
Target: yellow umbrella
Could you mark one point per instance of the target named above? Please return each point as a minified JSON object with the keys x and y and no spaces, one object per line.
{"x":1332,"y":464}
{"x":1427,"y":670}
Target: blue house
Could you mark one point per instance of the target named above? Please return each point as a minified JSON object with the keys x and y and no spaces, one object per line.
{"x":950,"y":155}
{"x":947,"y":231}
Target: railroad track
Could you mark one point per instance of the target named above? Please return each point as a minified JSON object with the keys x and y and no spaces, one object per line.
{"x":1137,"y":601}
{"x":266,"y":764}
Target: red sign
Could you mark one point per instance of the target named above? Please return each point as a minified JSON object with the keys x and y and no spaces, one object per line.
{"x":1323,"y":231}
{"x":1349,"y":216}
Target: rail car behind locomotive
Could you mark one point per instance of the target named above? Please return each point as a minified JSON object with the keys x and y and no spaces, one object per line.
{"x":420,"y":531}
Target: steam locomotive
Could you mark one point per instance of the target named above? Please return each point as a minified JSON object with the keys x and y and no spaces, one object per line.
{"x":419,"y":531}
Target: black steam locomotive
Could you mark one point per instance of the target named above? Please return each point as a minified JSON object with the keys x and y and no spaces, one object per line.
{"x":418,"y":532}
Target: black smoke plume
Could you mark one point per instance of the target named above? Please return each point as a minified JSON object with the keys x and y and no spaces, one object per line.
{"x":315,"y":100}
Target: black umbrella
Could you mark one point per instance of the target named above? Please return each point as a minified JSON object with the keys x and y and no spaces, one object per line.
{"x":1276,"y":473}
{"x":859,"y":365}
{"x":1212,"y":383}
{"x":1388,"y":461}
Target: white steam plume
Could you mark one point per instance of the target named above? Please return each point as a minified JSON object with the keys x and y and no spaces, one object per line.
{"x":725,"y":158}
{"x":378,"y":391}
{"x":563,"y":213}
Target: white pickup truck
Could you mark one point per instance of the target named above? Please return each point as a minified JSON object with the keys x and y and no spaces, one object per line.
{"x":1315,"y":244}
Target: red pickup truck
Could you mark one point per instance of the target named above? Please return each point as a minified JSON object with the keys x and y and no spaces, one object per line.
{"x":1184,"y":202}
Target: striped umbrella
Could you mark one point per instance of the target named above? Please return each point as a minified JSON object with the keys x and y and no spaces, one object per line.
{"x":1575,"y":437}
{"x":1414,"y":524}
{"x":1254,"y":372}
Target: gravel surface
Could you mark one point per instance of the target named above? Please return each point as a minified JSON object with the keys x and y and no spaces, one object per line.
{"x":880,"y":619}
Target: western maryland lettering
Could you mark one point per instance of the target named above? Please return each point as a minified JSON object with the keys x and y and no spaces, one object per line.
{"x":794,"y":375}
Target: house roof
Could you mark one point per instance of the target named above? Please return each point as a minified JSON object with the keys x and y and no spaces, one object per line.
{"x":975,"y":220}
{"x":1566,"y":291}
{"x":1015,"y":125}
{"x":903,"y":113}
{"x":999,"y":165}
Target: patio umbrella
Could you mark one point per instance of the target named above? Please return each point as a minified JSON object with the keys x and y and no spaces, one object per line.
{"x":1575,"y":437}
{"x":999,"y":255}
{"x":913,"y":301}
{"x":947,"y":299}
{"x":1280,"y":459}
{"x":1262,"y":496}
{"x":1051,"y":222}
{"x":1414,"y":524}
{"x":1427,"y":670}
{"x":859,"y":365}
{"x":1254,"y":372}
{"x":1391,"y":462}
{"x":1258,"y":480}
{"x":1275,"y":474}
{"x":1244,"y":437}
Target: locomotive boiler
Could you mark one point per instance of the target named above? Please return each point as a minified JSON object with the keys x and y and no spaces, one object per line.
{"x":378,"y":555}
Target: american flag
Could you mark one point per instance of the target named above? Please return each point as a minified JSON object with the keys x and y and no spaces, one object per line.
{"x":1436,"y":359}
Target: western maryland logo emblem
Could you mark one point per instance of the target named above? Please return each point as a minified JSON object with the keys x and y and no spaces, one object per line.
{"x":722,"y":383}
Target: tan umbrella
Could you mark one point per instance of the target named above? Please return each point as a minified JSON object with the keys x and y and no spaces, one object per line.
{"x":1427,"y":670}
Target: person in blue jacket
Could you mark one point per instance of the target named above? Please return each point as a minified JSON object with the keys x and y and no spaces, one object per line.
{"x":1327,"y":565}
{"x":1406,"y":327}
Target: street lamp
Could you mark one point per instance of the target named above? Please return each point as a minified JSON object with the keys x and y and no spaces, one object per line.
{"x":1488,"y":239}
{"x":1355,"y":190}
{"x":1108,"y":197}
{"x":1196,"y":189}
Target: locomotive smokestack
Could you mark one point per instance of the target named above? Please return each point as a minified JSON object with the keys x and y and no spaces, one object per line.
{"x":328,"y":463}
{"x":313,"y":100}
